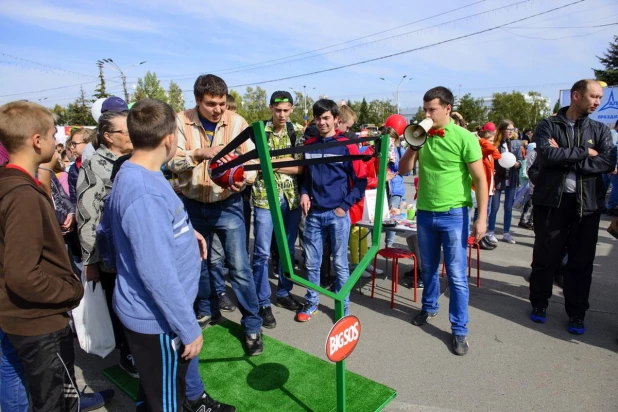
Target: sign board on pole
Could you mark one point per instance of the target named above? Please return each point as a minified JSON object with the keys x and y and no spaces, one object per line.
{"x":343,"y":338}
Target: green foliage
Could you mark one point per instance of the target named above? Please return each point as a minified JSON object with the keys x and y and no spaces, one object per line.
{"x":363,"y":114}
{"x":420,"y":114}
{"x":513,"y":106}
{"x":253,"y":105}
{"x":175,"y":97}
{"x":59,"y":114}
{"x":473,"y":111}
{"x":100,"y":91}
{"x":149,"y":87}
{"x":556,"y":106}
{"x":78,"y":112}
{"x":299,"y":108}
{"x":609,"y":60}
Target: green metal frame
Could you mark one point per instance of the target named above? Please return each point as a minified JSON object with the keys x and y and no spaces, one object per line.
{"x":282,"y":243}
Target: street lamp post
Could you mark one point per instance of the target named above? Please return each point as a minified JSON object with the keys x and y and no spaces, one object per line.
{"x":112,"y":65}
{"x":305,"y":113}
{"x":404,"y":79}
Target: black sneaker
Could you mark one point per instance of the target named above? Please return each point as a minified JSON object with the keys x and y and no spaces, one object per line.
{"x":127,"y":364}
{"x":268,"y":319}
{"x":576,"y":326}
{"x":538,"y":315}
{"x":206,"y":403}
{"x":254,"y":345}
{"x":460,"y":344}
{"x":289,"y":303}
{"x":225,"y":303}
{"x":423,"y":317}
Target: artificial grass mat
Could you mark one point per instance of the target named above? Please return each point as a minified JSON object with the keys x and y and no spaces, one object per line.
{"x":283,"y":378}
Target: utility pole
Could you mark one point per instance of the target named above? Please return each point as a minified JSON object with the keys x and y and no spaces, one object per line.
{"x":112,"y":65}
{"x":404,"y":79}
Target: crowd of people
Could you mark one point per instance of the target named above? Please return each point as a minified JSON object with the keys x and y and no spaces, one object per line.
{"x":132,"y":207}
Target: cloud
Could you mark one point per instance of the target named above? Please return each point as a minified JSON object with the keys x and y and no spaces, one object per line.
{"x":49,"y":16}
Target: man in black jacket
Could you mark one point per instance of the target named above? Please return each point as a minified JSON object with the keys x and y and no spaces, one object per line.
{"x":573,"y":153}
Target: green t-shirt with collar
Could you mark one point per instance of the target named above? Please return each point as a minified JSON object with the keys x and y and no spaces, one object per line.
{"x":444,"y":180}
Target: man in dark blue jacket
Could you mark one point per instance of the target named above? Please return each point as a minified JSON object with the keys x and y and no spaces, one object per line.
{"x":573,"y":153}
{"x":327,"y":193}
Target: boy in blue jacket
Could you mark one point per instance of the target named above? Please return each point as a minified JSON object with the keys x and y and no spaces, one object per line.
{"x":328,"y":192}
{"x":158,"y":259}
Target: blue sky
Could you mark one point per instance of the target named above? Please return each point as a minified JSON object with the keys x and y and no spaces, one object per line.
{"x":55,"y":45}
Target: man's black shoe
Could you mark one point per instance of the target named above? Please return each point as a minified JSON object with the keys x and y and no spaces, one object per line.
{"x":206,"y":403}
{"x":254,"y":345}
{"x":127,"y":364}
{"x":268,"y":319}
{"x":460,"y":344}
{"x":225,"y":303}
{"x":576,"y":326}
{"x":538,"y":315}
{"x":289,"y":303}
{"x":423,"y":317}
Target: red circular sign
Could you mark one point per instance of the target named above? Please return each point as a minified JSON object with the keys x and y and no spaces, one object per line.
{"x":343,"y":338}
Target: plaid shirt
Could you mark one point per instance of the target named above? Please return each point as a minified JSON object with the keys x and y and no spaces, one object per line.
{"x":287,"y":185}
{"x":194,"y":179}
{"x":4,"y":155}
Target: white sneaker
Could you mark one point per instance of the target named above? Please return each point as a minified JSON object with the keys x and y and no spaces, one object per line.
{"x":492,"y":238}
{"x":508,"y":238}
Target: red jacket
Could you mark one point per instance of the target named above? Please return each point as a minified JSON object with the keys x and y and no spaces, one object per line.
{"x":490,"y":153}
{"x":371,"y":165}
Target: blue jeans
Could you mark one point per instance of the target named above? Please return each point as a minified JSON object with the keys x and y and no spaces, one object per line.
{"x":225,"y":219}
{"x":613,"y":196}
{"x":393,"y":202}
{"x":448,"y":230}
{"x":218,"y":273}
{"x":13,"y":395}
{"x":317,"y":224}
{"x":509,"y":197}
{"x":263,"y":231}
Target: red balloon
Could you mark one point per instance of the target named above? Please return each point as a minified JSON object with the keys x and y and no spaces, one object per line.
{"x":227,"y":178}
{"x":397,"y":122}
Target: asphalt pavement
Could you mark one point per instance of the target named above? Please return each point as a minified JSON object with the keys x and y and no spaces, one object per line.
{"x":513,"y":364}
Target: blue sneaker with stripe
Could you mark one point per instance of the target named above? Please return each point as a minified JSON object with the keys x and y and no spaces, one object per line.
{"x":576,"y":326}
{"x":538,"y":315}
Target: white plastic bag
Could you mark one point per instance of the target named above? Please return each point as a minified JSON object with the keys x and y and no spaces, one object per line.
{"x":93,"y":323}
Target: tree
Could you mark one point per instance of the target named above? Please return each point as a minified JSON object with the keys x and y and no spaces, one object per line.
{"x":100,"y":91}
{"x":610,"y":62}
{"x":254,"y":105}
{"x":525,"y":111}
{"x":473,"y":111}
{"x":149,"y":87}
{"x":363,"y":114}
{"x":60,"y":114}
{"x":379,"y":110}
{"x":420,"y":114}
{"x":556,"y":106}
{"x":175,"y":97}
{"x":299,"y":108}
{"x":78,"y":112}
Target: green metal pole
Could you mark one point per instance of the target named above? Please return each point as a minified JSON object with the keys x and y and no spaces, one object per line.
{"x":340,"y":366}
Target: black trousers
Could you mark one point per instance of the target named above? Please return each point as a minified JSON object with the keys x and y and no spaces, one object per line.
{"x":555,"y":229}
{"x":49,"y":365}
{"x":107,"y":281}
{"x":162,"y":371}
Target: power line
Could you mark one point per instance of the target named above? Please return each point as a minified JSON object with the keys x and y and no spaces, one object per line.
{"x":281,"y":59}
{"x":410,"y":50}
{"x":568,"y":27}
{"x":54,"y":88}
{"x":48,"y":66}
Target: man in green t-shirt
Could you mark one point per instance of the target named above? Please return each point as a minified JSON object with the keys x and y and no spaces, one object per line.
{"x":449,"y":161}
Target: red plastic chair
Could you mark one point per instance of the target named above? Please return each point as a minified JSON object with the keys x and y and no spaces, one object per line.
{"x":395,"y":254}
{"x":471,"y":245}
